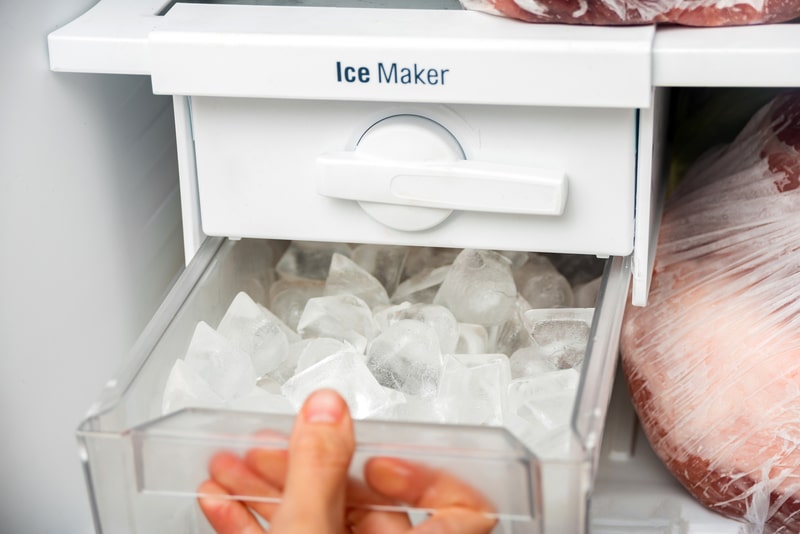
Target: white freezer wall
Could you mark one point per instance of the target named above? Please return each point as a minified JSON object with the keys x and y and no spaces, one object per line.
{"x":90,"y":240}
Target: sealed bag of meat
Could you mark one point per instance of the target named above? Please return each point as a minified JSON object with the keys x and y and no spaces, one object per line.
{"x":713,"y":360}
{"x":629,"y":12}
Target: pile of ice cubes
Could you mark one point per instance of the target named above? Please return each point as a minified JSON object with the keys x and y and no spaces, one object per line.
{"x":404,"y":333}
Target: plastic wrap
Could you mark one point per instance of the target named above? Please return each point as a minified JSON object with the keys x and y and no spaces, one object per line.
{"x":713,"y":360}
{"x":622,"y":12}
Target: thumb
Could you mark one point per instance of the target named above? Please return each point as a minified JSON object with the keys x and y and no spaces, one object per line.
{"x":320,"y":449}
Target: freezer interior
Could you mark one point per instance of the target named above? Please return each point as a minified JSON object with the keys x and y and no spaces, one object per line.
{"x":143,"y":466}
{"x":593,"y":107}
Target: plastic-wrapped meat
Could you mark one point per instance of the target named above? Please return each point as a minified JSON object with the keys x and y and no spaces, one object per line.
{"x":713,"y":360}
{"x":629,"y":12}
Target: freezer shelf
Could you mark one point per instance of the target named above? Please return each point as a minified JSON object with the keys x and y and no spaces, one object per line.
{"x":143,"y":470}
{"x":739,"y":56}
{"x":115,"y":37}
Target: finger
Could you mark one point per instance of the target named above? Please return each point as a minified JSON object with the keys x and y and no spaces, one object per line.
{"x":320,"y":449}
{"x":456,"y":521}
{"x":422,"y":486}
{"x":225,"y":515}
{"x":269,"y":464}
{"x":364,"y":520}
{"x":236,"y":477}
{"x":371,"y":522}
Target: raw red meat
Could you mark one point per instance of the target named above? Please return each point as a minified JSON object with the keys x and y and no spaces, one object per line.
{"x":713,"y":360}
{"x":629,"y":12}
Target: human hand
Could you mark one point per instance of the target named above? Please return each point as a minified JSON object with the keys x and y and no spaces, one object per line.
{"x":317,"y":497}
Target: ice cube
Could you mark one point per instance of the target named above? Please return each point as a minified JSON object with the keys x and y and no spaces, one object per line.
{"x":523,"y":430}
{"x":421,"y":287}
{"x":545,"y":443}
{"x":479,"y":288}
{"x":437,"y":317}
{"x":255,"y":330}
{"x":273,"y":380}
{"x":185,"y":388}
{"x":389,"y":410}
{"x":388,"y":315}
{"x":317,"y":349}
{"x":531,"y":361}
{"x":517,"y":258}
{"x":342,"y":317}
{"x":406,"y":357}
{"x":542,"y":285}
{"x":476,"y":384}
{"x":419,"y":410}
{"x":227,"y":370}
{"x":253,"y":264}
{"x":513,"y":334}
{"x":344,"y":372}
{"x":270,"y":384}
{"x":561,"y":334}
{"x":288,"y":299}
{"x":472,"y":339}
{"x":395,"y":397}
{"x":586,"y":293}
{"x":384,"y":262}
{"x":426,"y":258}
{"x":259,"y":400}
{"x":550,"y":325}
{"x":309,"y":260}
{"x":348,"y":278}
{"x":546,"y":399}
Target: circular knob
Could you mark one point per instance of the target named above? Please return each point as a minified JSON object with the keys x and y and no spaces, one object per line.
{"x":408,"y":138}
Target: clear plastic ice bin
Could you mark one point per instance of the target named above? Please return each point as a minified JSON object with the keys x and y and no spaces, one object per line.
{"x":143,"y":469}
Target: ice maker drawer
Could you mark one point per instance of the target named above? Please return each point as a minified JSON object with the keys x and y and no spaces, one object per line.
{"x":264,"y":170}
{"x":143,"y":469}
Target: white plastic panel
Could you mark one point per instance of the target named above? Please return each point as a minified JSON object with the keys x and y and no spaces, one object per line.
{"x":292,"y":52}
{"x":619,"y":64}
{"x":257,"y":172}
{"x":746,"y":56}
{"x":450,"y":56}
{"x":109,"y":38}
{"x":650,"y":184}
{"x":193,"y":235}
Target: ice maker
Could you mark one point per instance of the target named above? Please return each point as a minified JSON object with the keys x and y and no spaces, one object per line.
{"x":416,"y":124}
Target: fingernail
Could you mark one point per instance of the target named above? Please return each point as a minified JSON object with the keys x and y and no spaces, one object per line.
{"x":324,"y":406}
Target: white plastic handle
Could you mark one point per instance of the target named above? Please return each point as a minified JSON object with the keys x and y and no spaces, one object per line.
{"x":456,"y":185}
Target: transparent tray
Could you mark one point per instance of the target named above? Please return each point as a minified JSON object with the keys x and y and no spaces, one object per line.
{"x":143,"y":470}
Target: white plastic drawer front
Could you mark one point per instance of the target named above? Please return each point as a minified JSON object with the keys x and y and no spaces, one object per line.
{"x":500,"y":177}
